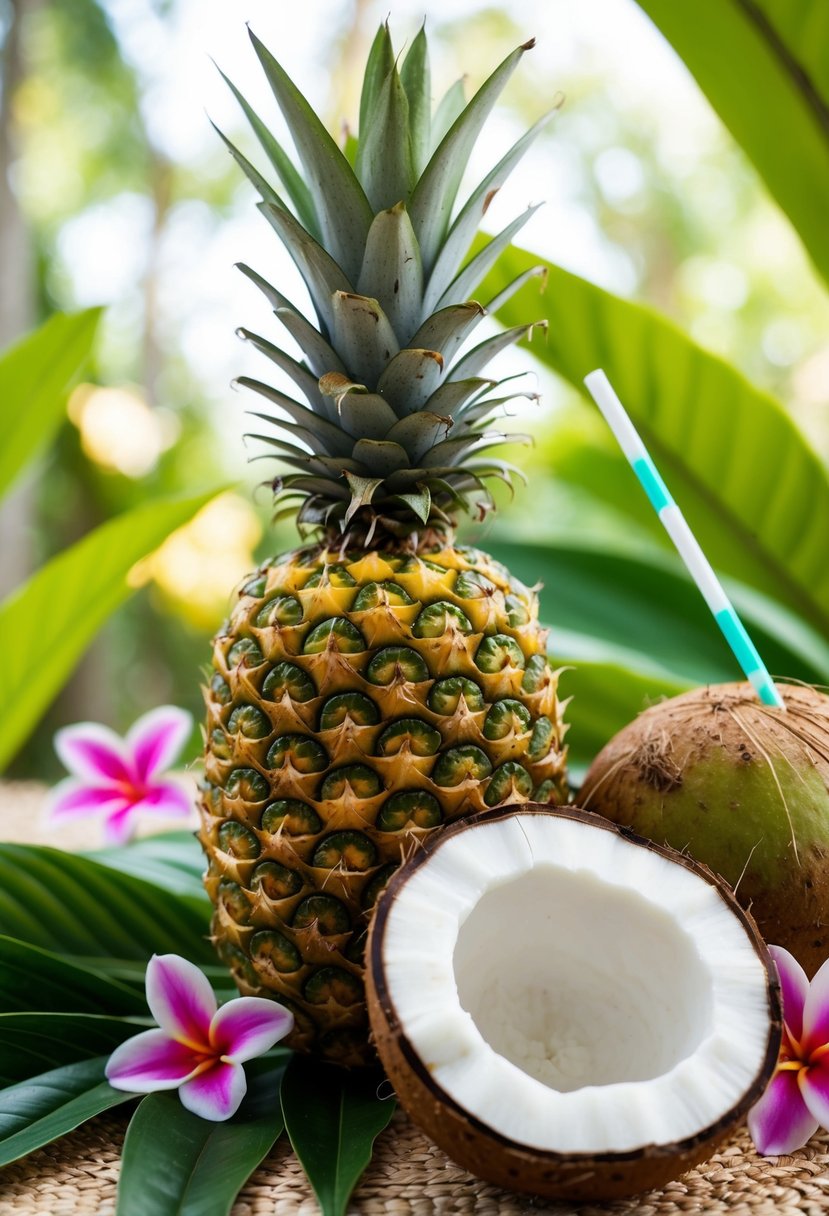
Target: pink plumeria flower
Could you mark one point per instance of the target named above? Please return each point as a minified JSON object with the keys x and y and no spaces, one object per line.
{"x":199,"y":1049}
{"x":119,"y":779}
{"x":796,"y":1102}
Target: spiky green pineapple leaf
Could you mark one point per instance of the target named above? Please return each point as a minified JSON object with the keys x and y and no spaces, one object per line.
{"x":307,"y":383}
{"x":40,"y":1109}
{"x":343,"y":209}
{"x":333,"y":1117}
{"x":434,"y":196}
{"x":464,"y":227}
{"x":415,"y":76}
{"x":410,"y":378}
{"x":321,"y":274}
{"x":392,"y":271}
{"x":463,"y":285}
{"x":61,"y":607}
{"x":419,"y":501}
{"x":448,"y":110}
{"x":379,"y":65}
{"x":176,"y":1164}
{"x":266,"y":190}
{"x":385,"y":157}
{"x":363,"y":334}
{"x":36,"y":375}
{"x":295,"y":187}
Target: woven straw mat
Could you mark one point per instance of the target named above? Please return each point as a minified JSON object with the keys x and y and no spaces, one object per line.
{"x":77,"y":1175}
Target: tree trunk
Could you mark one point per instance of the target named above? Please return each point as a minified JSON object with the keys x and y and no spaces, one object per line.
{"x":17,"y":512}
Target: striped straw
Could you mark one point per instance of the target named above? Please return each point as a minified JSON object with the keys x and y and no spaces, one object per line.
{"x":686,"y":543}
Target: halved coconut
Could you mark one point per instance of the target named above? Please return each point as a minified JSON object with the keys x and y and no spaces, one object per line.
{"x":565,"y":1008}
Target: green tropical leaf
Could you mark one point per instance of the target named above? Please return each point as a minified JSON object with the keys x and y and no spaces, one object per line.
{"x":754,"y":491}
{"x":176,"y":1164}
{"x":332,"y":1118}
{"x":58,"y":611}
{"x":35,"y":377}
{"x":764,"y":66}
{"x":66,"y":903}
{"x":33,"y":1043}
{"x":32,"y":978}
{"x":39,"y":1110}
{"x":172,"y":860}
{"x":647,"y":604}
{"x":606,"y":696}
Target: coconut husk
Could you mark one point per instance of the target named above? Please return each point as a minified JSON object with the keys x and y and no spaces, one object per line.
{"x":743,"y":788}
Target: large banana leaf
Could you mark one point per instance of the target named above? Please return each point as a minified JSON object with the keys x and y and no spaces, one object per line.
{"x":35,"y":377}
{"x":92,"y":914}
{"x":764,"y":66}
{"x":606,"y":695}
{"x":646,"y":605}
{"x":48,"y":622}
{"x":628,"y":629}
{"x":754,"y":491}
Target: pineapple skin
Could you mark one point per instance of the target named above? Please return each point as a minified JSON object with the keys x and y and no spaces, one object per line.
{"x":321,"y":776}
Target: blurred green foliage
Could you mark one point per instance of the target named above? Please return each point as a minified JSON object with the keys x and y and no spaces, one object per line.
{"x":120,"y":209}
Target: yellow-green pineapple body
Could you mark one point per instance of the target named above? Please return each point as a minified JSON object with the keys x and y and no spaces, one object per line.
{"x":382,"y":681}
{"x":358,"y":702}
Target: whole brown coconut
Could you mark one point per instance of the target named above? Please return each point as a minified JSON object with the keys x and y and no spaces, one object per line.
{"x":744,"y":788}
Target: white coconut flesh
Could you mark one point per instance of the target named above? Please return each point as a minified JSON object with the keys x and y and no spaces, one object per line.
{"x":573,"y":990}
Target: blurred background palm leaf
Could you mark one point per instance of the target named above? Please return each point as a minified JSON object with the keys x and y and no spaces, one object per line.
{"x":669,"y":262}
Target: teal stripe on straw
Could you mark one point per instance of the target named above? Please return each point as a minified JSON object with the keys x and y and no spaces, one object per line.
{"x":739,"y":641}
{"x":652,"y":483}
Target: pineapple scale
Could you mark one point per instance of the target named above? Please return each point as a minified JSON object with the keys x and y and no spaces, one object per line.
{"x":357,"y":702}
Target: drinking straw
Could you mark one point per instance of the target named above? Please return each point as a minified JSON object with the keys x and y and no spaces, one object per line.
{"x":686,"y":543}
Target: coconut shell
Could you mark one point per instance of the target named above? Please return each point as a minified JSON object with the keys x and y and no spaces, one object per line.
{"x":744,"y":788}
{"x":488,"y":1154}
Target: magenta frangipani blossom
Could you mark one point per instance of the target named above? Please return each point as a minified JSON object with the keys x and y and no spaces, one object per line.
{"x":796,"y":1102}
{"x":119,"y":779}
{"x":199,"y":1049}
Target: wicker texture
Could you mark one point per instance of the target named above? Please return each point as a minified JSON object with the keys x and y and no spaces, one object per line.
{"x":409,"y":1176}
{"x":77,"y":1176}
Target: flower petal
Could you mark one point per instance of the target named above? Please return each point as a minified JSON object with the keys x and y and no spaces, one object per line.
{"x":248,"y":1026}
{"x":156,"y":739}
{"x":93,"y":752}
{"x":150,"y":1061}
{"x":180,"y":999}
{"x":816,"y":1011}
{"x":794,"y":986}
{"x":71,"y":799}
{"x":166,"y":798}
{"x":120,"y":824}
{"x":814,"y":1089}
{"x":781,"y":1122}
{"x":216,"y":1093}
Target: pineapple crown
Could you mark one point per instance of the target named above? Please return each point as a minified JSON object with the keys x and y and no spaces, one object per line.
{"x":392,"y":439}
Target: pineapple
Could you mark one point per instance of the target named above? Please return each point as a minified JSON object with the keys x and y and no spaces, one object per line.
{"x":381,"y":680}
